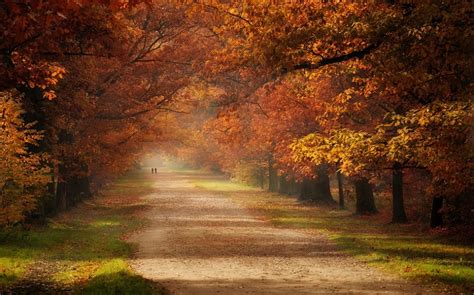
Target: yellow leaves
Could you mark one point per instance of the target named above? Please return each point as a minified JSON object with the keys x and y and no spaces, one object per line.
{"x":23,"y":175}
{"x":352,"y":151}
{"x":312,"y":147}
{"x":432,"y":136}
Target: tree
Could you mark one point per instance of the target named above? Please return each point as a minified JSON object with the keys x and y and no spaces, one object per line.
{"x":23,"y":174}
{"x":99,"y":79}
{"x":400,"y":58}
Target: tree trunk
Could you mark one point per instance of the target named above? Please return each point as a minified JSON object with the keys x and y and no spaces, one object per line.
{"x":74,"y":191}
{"x":61,"y":190}
{"x":365,"y":203}
{"x":48,"y":203}
{"x":295,"y":187}
{"x":436,"y":215}
{"x":317,"y":190}
{"x":272,"y":177}
{"x":341,"y":189}
{"x":284,"y":187}
{"x":61,"y":197}
{"x":262,"y":178}
{"x":322,"y":185}
{"x":306,"y":192}
{"x":85,"y":187}
{"x":398,"y":208}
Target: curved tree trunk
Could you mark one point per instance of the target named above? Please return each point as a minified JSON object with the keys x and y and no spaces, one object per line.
{"x":398,"y":208}
{"x":365,"y":202}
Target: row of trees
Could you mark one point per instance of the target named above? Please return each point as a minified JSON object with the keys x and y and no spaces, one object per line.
{"x":86,"y":88}
{"x":348,"y":88}
{"x":291,"y":92}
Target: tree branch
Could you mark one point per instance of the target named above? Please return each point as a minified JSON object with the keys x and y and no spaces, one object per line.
{"x":358,"y":54}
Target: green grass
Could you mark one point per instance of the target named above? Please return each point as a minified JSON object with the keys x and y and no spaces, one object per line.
{"x":399,"y":249}
{"x":84,"y":248}
{"x":115,"y":277}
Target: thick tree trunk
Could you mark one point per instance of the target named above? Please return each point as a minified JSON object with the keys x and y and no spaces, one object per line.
{"x":71,"y":189}
{"x":85,"y":187}
{"x":436,"y":215}
{"x":284,"y":187}
{"x":295,"y":187}
{"x":340,"y":189}
{"x":318,"y":189}
{"x":306,"y":190}
{"x":322,"y":185}
{"x":398,"y":208}
{"x":272,"y":176}
{"x":365,"y":202}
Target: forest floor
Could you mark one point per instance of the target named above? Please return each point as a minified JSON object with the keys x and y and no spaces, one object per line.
{"x":207,"y":235}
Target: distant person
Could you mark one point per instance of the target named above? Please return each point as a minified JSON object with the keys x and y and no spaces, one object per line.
{"x":152,"y":170}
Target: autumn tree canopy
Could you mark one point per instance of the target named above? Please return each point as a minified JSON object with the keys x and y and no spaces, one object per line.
{"x":288,"y":94}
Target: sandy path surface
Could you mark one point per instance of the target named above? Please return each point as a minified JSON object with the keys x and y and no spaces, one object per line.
{"x":201,"y":242}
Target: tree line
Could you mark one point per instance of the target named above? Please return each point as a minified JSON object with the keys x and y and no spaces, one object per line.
{"x":285,"y":93}
{"x":371,"y":92}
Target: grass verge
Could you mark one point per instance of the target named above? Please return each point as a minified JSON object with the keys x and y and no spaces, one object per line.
{"x":82,"y":250}
{"x":398,"y":249}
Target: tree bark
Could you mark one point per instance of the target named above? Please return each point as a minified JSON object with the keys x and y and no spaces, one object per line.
{"x":272,"y":177}
{"x":283,"y":187}
{"x":436,"y":215}
{"x":61,"y":190}
{"x":74,"y":191}
{"x":295,"y":187}
{"x":306,"y":192}
{"x":340,"y":189}
{"x":61,"y":197}
{"x":398,"y":207}
{"x":318,"y":189}
{"x":84,"y":187}
{"x":365,"y":202}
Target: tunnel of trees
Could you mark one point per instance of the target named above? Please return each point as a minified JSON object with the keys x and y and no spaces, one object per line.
{"x":283,"y":96}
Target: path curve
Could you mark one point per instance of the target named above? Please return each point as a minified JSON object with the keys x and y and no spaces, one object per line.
{"x":202,"y":242}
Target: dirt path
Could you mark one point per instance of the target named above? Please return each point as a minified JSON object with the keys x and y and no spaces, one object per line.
{"x":201,"y":242}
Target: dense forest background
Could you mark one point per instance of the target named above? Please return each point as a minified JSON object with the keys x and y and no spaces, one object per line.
{"x":374,"y":97}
